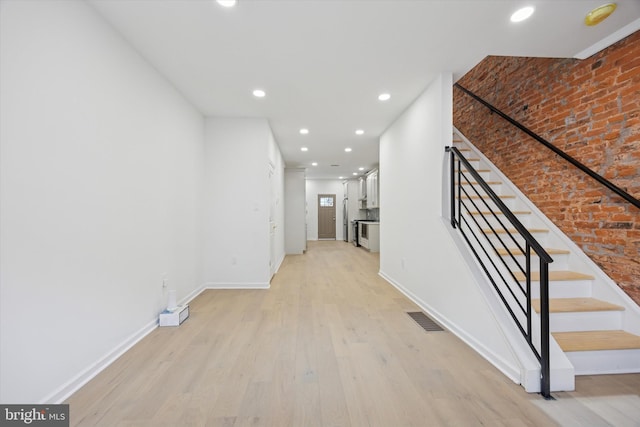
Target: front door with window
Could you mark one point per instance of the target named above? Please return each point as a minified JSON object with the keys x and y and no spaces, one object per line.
{"x":326,"y":216}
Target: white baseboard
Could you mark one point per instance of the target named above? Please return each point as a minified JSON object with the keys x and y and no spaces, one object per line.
{"x":73,"y":385}
{"x":510,"y":371}
{"x":279,"y":264}
{"x":237,"y":285}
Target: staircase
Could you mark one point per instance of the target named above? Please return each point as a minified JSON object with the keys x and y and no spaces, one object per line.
{"x":593,"y":322}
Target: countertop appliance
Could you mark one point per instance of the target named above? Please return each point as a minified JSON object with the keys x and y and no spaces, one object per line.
{"x":354,"y":229}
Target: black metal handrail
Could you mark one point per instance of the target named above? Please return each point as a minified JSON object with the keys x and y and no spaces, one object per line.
{"x":481,"y":190}
{"x":619,"y":191}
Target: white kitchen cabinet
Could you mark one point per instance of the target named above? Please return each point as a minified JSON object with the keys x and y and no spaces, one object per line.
{"x":372,"y":190}
{"x":362,"y":193}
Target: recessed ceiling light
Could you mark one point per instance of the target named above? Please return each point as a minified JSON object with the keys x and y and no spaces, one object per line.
{"x":599,"y":14}
{"x":347,"y":149}
{"x":355,"y":174}
{"x":384,"y":97}
{"x":314,"y":164}
{"x":227,"y":3}
{"x":359,"y":132}
{"x":341,"y":177}
{"x":304,"y":131}
{"x":522,"y":14}
{"x":259,"y":93}
{"x":304,"y":149}
{"x":360,"y":169}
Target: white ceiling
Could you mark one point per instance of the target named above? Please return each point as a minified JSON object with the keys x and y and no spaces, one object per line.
{"x":324,"y":62}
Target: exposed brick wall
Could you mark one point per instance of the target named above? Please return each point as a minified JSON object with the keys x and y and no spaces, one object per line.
{"x":591,"y":110}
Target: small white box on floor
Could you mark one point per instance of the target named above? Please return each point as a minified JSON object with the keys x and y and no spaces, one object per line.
{"x":175,"y":316}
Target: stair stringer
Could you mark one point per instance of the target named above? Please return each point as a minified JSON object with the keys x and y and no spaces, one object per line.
{"x":602,"y":286}
{"x":562,"y":372}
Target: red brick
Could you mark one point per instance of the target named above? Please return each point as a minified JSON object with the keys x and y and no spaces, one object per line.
{"x":589,"y":109}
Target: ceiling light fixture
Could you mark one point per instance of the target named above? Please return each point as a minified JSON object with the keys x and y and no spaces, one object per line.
{"x":384,"y":97}
{"x":348,"y":150}
{"x":522,"y":14}
{"x":360,"y":169}
{"x":341,"y":177}
{"x":304,"y":149}
{"x":259,"y":93}
{"x":304,"y":131}
{"x":227,"y":3}
{"x":599,"y":14}
{"x":359,"y":132}
{"x":355,"y":174}
{"x":314,"y":164}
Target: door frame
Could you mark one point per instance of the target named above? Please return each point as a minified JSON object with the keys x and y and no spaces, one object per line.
{"x":334,"y":232}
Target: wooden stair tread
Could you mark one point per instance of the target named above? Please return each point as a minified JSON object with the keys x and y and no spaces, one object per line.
{"x":477,"y":170}
{"x":576,"y":305}
{"x":514,"y":231}
{"x":485,"y":213}
{"x":488,"y":182}
{"x":517,"y":251}
{"x":562,"y":275}
{"x":505,"y":196}
{"x":596,"y":340}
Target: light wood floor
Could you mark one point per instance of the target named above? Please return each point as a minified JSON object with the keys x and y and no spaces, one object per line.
{"x":330,"y":344}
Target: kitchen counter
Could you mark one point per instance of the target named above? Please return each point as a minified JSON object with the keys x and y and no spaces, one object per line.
{"x":369,"y":235}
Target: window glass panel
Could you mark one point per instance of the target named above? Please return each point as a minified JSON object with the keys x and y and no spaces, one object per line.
{"x":326,"y":201}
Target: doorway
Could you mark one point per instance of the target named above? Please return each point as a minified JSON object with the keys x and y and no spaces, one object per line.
{"x":326,"y":216}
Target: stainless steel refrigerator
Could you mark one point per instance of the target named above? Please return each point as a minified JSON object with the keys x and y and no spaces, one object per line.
{"x":345,"y":219}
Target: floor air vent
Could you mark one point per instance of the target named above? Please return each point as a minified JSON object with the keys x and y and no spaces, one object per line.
{"x":425,"y":321}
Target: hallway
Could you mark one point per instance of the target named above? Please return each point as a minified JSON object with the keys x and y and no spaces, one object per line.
{"x":330,"y":344}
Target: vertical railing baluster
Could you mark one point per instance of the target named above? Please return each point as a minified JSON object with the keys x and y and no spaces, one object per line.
{"x":528,"y":278}
{"x":459,"y":191}
{"x":545,"y":385}
{"x":453,"y":190}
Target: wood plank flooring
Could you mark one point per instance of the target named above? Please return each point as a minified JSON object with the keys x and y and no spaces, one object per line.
{"x":330,"y":344}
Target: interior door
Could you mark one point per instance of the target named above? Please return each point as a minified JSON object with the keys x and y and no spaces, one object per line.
{"x":326,"y":216}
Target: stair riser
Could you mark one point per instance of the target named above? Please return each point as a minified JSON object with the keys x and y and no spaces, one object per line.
{"x":495,"y":222}
{"x":486,"y":175}
{"x":605,"y":361}
{"x":585,"y":321}
{"x":559,"y":262}
{"x":488,"y":204}
{"x":564,"y":289}
{"x":471,"y":189}
{"x":519,"y":240}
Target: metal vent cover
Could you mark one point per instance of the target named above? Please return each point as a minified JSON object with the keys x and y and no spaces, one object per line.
{"x":424,"y":321}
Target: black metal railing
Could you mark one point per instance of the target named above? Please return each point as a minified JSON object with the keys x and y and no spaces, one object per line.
{"x":611,"y":186}
{"x":499,"y":241}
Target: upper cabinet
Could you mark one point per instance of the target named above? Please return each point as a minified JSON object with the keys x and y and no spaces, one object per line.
{"x":362,"y":188}
{"x":372,"y":189}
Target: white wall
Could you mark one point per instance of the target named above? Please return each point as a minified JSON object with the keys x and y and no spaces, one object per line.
{"x":238,"y":203}
{"x":295,"y":212}
{"x":277,"y":203}
{"x":322,"y":186}
{"x":417,"y":254}
{"x":101,"y":179}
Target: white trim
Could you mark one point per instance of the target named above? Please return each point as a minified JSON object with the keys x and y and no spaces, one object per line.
{"x":510,"y":371}
{"x":73,"y":385}
{"x":278,"y":265}
{"x":623,"y":32}
{"x":238,"y":285}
